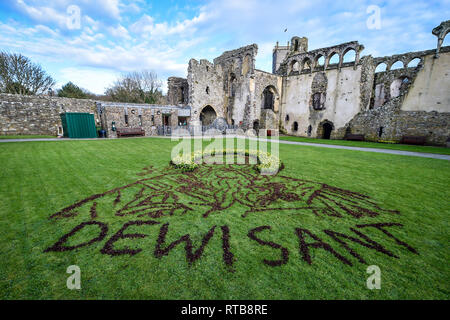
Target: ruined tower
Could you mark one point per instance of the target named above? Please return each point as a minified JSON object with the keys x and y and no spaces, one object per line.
{"x":297,"y":45}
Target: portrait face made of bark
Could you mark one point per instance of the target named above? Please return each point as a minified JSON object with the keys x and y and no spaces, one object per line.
{"x":212,"y":189}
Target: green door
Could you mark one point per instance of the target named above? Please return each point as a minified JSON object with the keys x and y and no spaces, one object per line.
{"x":78,"y":125}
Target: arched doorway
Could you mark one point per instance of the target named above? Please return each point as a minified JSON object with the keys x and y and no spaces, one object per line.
{"x":208,"y":115}
{"x":256,"y":126}
{"x":327,"y":128}
{"x":268,"y":98}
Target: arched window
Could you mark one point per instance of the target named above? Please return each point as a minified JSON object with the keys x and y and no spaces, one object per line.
{"x":269,"y":98}
{"x":381,"y":67}
{"x":295,"y":126}
{"x":306,"y":65}
{"x":349,"y":56}
{"x":379,"y":98}
{"x":208,"y":115}
{"x":287,"y":118}
{"x":395,"y":88}
{"x":414,"y":62}
{"x":232,"y":85}
{"x":181,"y":95}
{"x":397,"y":65}
{"x":317,"y":101}
{"x":333,"y":59}
{"x":294,"y":67}
{"x":320,"y":61}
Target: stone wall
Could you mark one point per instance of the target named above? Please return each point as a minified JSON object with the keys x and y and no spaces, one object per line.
{"x":38,"y":115}
{"x":233,"y":88}
{"x":205,"y":88}
{"x":340,"y":100}
{"x":269,"y":119}
{"x":410,"y":101}
{"x":178,"y":91}
{"x":147,"y":117}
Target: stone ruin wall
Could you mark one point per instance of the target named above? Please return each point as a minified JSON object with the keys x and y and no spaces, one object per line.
{"x":41,"y":115}
{"x":343,"y":89}
{"x":205,"y":88}
{"x":38,"y":115}
{"x":233,"y":88}
{"x":268,"y":119}
{"x":178,"y":91}
{"x":151,"y":117}
{"x":237,"y":67}
{"x":410,"y":101}
{"x":354,"y":98}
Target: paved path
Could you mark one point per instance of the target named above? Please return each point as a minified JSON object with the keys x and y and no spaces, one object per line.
{"x":388,"y":151}
{"x":319,"y":145}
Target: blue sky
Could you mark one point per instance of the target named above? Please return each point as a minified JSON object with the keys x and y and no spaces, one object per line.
{"x":117,"y":36}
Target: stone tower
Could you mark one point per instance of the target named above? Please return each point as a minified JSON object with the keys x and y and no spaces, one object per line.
{"x":297,"y":45}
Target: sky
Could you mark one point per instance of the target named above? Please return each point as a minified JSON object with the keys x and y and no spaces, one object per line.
{"x":91,"y":43}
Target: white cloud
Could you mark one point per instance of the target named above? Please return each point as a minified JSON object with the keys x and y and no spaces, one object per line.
{"x":43,"y":14}
{"x":119,"y":32}
{"x":95,"y":81}
{"x":113,"y":40}
{"x":146,"y":25}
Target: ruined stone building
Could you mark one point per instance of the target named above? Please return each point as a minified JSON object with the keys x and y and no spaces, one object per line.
{"x":332,"y":92}
{"x":325,"y":93}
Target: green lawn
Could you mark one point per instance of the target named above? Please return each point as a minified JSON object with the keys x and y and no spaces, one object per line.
{"x":27,"y":136}
{"x":40,"y":179}
{"x":368,"y":144}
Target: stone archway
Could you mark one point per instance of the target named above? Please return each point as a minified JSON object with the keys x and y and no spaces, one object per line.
{"x":325,"y":130}
{"x":208,"y":115}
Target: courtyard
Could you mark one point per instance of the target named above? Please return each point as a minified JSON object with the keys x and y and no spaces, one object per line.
{"x":139,"y":228}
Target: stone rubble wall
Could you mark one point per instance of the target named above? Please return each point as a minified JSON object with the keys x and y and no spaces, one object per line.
{"x":178,"y":91}
{"x":419,"y":106}
{"x":38,"y":115}
{"x":203,"y":75}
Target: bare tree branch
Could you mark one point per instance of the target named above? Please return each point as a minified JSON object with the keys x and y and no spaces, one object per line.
{"x":19,"y":75}
{"x":136,"y":87}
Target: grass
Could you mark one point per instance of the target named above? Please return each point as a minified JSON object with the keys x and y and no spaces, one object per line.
{"x":27,"y":136}
{"x":39,"y":179}
{"x":368,"y":144}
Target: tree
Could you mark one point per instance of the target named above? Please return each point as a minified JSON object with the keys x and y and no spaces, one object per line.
{"x":70,"y":90}
{"x":19,"y":75}
{"x":136,"y":87}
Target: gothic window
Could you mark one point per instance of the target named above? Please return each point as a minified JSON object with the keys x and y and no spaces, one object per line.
{"x":268,"y":99}
{"x":182,"y":95}
{"x":317,"y":101}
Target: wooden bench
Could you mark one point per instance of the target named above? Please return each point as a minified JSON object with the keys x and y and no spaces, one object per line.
{"x":419,"y":140}
{"x":354,"y":137}
{"x":130,"y":132}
